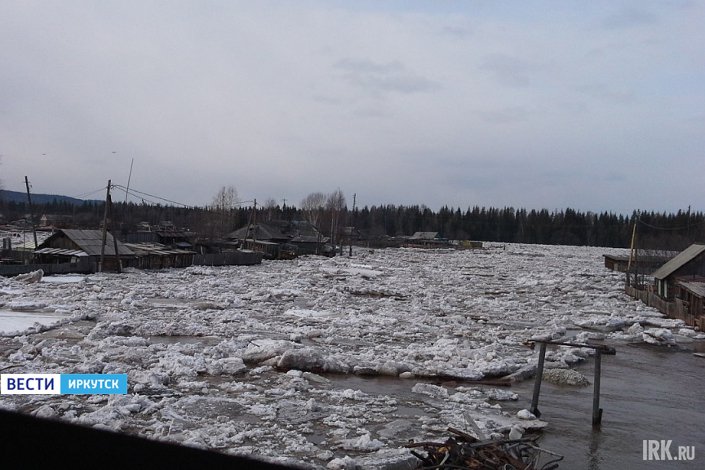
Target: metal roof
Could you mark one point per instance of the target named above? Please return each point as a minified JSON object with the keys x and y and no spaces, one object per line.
{"x":697,"y":288}
{"x":683,"y":258}
{"x":262,"y":242}
{"x":91,"y":242}
{"x":59,"y":252}
{"x":424,"y":236}
{"x":156,"y":249}
{"x":261,"y":231}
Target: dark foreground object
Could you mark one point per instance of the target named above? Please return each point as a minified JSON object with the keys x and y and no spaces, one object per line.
{"x":31,"y":442}
{"x":463,"y":451}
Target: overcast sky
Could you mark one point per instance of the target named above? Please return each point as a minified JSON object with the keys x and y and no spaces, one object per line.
{"x":594,"y":105}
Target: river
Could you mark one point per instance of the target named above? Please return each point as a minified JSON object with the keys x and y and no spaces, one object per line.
{"x":647,"y":393}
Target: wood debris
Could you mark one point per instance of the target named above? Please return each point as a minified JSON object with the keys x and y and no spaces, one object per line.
{"x":464,"y":451}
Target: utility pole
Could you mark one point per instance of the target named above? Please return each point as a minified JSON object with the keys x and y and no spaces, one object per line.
{"x":31,"y":212}
{"x":254,"y":221}
{"x":127,"y":190}
{"x":115,"y":243}
{"x":688,"y":225}
{"x":633,"y":256}
{"x":352,"y":227}
{"x":105,"y":229}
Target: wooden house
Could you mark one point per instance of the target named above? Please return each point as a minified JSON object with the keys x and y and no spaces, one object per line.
{"x":158,"y":256}
{"x":55,"y":221}
{"x":645,"y":261}
{"x":690,"y":305}
{"x":679,"y":287}
{"x":66,"y":244}
{"x":688,"y":263}
{"x":282,"y":239}
{"x":171,"y":238}
{"x":427,"y":240}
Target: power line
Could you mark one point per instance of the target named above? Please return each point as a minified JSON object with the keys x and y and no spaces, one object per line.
{"x":671,"y":228}
{"x":90,"y":193}
{"x":141,"y":194}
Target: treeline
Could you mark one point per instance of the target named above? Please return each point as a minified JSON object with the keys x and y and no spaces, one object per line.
{"x":655,"y":230}
{"x":560,"y":227}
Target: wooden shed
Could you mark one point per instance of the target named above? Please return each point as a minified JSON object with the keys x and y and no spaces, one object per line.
{"x":688,"y":263}
{"x":158,"y":256}
{"x":84,"y":243}
{"x":689,"y":297}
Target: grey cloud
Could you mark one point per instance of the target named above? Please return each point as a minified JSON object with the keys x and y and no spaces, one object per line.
{"x":629,"y":18}
{"x":505,"y":115}
{"x":458,"y":32}
{"x":606,"y":93}
{"x":383,"y":77}
{"x":507,"y":70}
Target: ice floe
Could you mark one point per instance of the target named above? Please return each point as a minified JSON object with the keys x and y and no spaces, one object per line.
{"x":327,"y":362}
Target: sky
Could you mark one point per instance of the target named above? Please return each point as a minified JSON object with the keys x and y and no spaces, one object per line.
{"x":596,"y":106}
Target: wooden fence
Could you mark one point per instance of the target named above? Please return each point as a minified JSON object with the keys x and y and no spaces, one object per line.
{"x":236,"y":258}
{"x":82,"y":267}
{"x":674,"y":309}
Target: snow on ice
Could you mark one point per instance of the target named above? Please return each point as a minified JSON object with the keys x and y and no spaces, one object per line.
{"x":331,"y":363}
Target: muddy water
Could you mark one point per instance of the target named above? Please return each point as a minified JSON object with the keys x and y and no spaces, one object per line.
{"x":647,"y":393}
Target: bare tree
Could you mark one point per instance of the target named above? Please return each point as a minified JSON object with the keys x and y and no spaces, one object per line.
{"x":270,"y":206}
{"x":223,"y":204}
{"x":312,"y":207}
{"x":335,"y":203}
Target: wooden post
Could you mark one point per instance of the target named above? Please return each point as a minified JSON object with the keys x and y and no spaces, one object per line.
{"x":599,"y":351}
{"x":596,"y":410}
{"x":352,"y":227}
{"x":254,"y":222}
{"x":115,"y":244}
{"x":105,"y":229}
{"x":537,"y":383}
{"x":31,"y":212}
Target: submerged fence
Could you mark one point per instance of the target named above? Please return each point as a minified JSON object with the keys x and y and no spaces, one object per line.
{"x":83,"y":267}
{"x":236,"y":258}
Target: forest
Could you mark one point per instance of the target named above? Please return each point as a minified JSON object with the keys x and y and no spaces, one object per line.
{"x":656,"y":230}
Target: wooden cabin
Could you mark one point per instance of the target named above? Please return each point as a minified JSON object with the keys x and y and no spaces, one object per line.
{"x":66,"y":244}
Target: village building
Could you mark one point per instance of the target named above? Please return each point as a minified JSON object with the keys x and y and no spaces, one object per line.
{"x":55,"y":221}
{"x":678,"y":287}
{"x":427,"y":240}
{"x":687,"y":264}
{"x":645,"y":261}
{"x":282,"y":239}
{"x":165,"y":233}
{"x":71,"y":245}
{"x":158,"y":256}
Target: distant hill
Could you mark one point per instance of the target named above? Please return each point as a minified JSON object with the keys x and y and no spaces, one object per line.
{"x":17,"y":196}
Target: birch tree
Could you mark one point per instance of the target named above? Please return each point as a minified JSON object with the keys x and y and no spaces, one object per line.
{"x":312,"y":207}
{"x":335,"y":203}
{"x":222,"y":205}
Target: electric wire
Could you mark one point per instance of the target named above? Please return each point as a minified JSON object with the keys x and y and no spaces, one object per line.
{"x":142,"y":194}
{"x":687,"y":227}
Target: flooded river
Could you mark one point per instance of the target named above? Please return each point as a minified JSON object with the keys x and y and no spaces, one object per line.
{"x":647,"y":393}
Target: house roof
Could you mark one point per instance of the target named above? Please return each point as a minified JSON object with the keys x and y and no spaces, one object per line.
{"x":261,"y":231}
{"x":142,"y":249}
{"x":646,"y":255}
{"x":697,"y":288}
{"x":424,"y":236}
{"x":683,"y":258}
{"x":90,"y":241}
{"x":60,"y":252}
{"x":309,"y":239}
{"x":277,"y":230}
